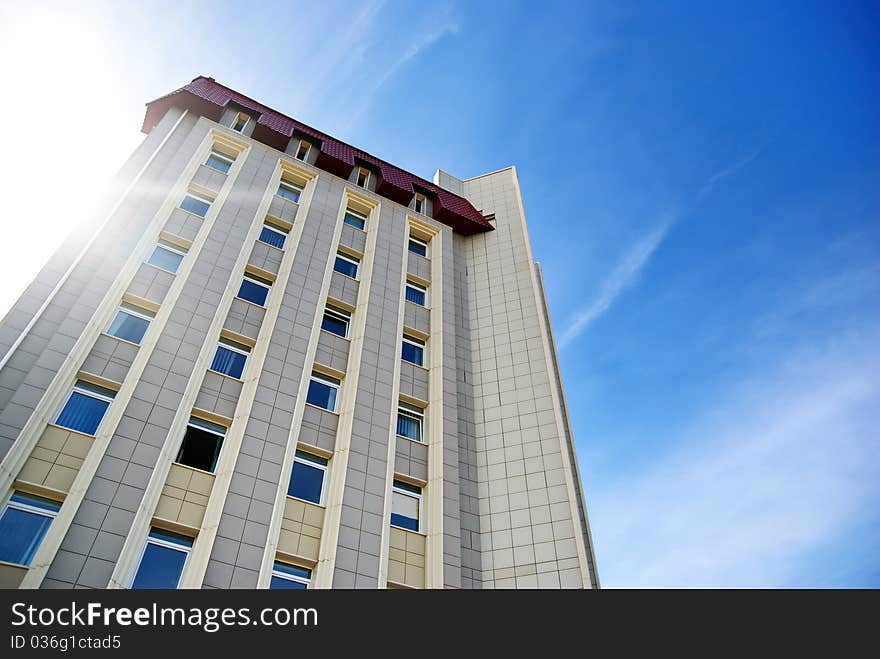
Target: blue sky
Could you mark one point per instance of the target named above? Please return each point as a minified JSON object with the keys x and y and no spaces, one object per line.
{"x":701,"y":185}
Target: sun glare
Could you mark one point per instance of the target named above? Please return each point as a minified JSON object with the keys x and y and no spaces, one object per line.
{"x":64,"y":147}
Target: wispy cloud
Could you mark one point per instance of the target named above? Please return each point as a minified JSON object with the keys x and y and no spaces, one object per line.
{"x":779,"y":468}
{"x":719,"y":176}
{"x":412,"y":52}
{"x":626,"y":273}
{"x":346,"y":80}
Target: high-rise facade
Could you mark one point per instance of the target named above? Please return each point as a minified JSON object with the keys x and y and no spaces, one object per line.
{"x":279,"y":361}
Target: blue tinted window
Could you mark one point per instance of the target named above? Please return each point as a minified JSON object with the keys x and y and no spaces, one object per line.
{"x":354,"y":220}
{"x":409,"y":426}
{"x":128,"y":327}
{"x":418,"y":248}
{"x":22,"y":531}
{"x":82,"y":413}
{"x":229,"y":362}
{"x":278,"y":583}
{"x":218,"y":162}
{"x":306,"y":482}
{"x":196,"y":206}
{"x":334,"y":324}
{"x":404,"y":522}
{"x":253,"y":292}
{"x":322,"y":395}
{"x":288,"y":191}
{"x":165,"y":259}
{"x":160,"y":566}
{"x":345,"y":267}
{"x":272,"y":237}
{"x":293,"y":570}
{"x":415,"y":295}
{"x":412,"y":353}
{"x":405,"y":508}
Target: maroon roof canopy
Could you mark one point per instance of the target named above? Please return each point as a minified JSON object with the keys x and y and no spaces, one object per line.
{"x":205,"y":97}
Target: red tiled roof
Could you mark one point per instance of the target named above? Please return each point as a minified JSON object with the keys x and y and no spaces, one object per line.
{"x":206,"y":97}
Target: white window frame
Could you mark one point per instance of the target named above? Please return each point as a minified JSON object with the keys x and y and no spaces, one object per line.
{"x":258,"y":282}
{"x":292,"y":186}
{"x":420,"y":203}
{"x":199,"y":197}
{"x":132,"y":310}
{"x":355,"y":262}
{"x":317,"y":465}
{"x":229,"y":344}
{"x":407,"y":493}
{"x":220,"y":156}
{"x":85,"y":392}
{"x":419,"y":241}
{"x":27,"y":508}
{"x":169,"y":545}
{"x":291,"y":577}
{"x":276,"y":229}
{"x":198,"y":423}
{"x":366,"y":174}
{"x":299,"y":147}
{"x":247,"y":121}
{"x":323,"y":379}
{"x":168,"y":247}
{"x":359,"y":215}
{"x":419,"y":343}
{"x":418,"y":287}
{"x":340,"y":314}
{"x":418,"y":414}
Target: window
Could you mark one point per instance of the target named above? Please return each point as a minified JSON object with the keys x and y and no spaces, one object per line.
{"x":336,"y":320}
{"x":196,"y":204}
{"x":363,"y":177}
{"x":413,"y":350}
{"x":230,"y":358}
{"x":420,"y":247}
{"x":302,"y":152}
{"x":288,"y":190}
{"x":164,"y":557}
{"x":410,"y":422}
{"x":323,"y":391}
{"x":219,"y":161}
{"x":273,"y":235}
{"x":23,"y":525}
{"x":285,"y":575}
{"x":406,"y":506}
{"x":355,"y":219}
{"x":415,"y":293}
{"x":254,"y":289}
{"x":130,"y":323}
{"x":85,"y":407}
{"x":307,"y":477}
{"x":240,"y":122}
{"x":420,"y":203}
{"x":201,"y":444}
{"x":346,"y":265}
{"x":167,"y":256}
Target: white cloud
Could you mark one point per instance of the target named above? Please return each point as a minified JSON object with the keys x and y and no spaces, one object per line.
{"x":624,"y":275}
{"x":626,"y":272}
{"x":782,"y":467}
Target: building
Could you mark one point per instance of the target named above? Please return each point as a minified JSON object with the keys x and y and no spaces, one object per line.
{"x":280,"y":361}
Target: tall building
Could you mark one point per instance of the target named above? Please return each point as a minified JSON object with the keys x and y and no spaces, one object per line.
{"x":279,"y":361}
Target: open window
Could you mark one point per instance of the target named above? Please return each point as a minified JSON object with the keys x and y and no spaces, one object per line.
{"x":406,"y":506}
{"x":202,"y":441}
